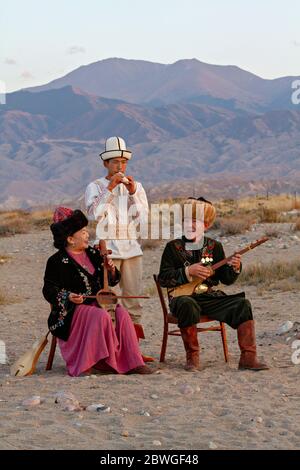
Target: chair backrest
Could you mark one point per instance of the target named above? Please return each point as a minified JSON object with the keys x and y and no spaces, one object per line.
{"x":161,"y":298}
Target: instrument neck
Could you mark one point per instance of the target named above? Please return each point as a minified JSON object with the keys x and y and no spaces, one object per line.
{"x":103,"y":252}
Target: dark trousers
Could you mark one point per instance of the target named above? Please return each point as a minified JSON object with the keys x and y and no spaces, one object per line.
{"x":231,"y":309}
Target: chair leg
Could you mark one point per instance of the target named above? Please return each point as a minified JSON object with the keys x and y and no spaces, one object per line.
{"x":224,"y":341}
{"x":164,"y":344}
{"x":51,"y":353}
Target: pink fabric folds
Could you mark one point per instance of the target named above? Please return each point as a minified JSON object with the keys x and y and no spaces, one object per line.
{"x":94,"y":338}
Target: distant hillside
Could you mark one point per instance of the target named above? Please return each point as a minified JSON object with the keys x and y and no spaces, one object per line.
{"x":51,"y":137}
{"x":142,"y":82}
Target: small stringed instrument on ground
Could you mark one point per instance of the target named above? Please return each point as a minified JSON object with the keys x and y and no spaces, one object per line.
{"x":199,"y":287}
{"x":26,"y":364}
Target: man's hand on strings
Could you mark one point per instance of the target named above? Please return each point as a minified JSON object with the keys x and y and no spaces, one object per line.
{"x":199,"y":271}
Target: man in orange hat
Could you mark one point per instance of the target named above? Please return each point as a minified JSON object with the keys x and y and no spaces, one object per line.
{"x":190,"y":257}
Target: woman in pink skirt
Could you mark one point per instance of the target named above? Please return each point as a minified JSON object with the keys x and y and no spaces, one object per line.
{"x":87,"y":337}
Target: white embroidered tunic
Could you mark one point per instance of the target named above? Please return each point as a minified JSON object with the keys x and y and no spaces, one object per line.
{"x":109,"y":209}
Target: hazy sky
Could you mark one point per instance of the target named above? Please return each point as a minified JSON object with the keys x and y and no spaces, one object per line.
{"x":41,"y":40}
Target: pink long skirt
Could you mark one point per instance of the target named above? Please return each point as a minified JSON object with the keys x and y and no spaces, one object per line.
{"x":94,"y":338}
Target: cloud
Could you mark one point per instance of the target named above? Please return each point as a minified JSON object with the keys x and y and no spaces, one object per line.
{"x":26,"y":75}
{"x":75,"y":50}
{"x":9,"y":61}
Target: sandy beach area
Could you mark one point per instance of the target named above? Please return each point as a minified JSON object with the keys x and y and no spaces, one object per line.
{"x":218,"y":407}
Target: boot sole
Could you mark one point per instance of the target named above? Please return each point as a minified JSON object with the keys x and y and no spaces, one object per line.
{"x":253,"y":368}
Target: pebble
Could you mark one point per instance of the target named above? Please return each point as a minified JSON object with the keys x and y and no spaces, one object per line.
{"x":186,"y":389}
{"x":99,"y":407}
{"x":212,"y":445}
{"x":144,"y":413}
{"x":125,"y":434}
{"x":155,"y":397}
{"x":156,"y":443}
{"x":124,"y":409}
{"x":285,"y":327}
{"x":68,"y":401}
{"x":32,"y":401}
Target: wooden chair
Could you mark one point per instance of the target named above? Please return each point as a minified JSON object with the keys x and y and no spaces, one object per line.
{"x":51,"y":353}
{"x":170,"y":319}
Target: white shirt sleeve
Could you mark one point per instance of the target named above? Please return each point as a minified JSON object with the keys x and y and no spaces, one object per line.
{"x":139,"y":199}
{"x":97,"y":197}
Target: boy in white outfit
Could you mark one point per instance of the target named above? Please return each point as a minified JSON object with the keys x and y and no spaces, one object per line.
{"x":108,"y":200}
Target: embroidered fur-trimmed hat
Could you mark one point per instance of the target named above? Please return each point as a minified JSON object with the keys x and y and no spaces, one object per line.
{"x":115,"y":147}
{"x":66,"y":222}
{"x":206,"y":209}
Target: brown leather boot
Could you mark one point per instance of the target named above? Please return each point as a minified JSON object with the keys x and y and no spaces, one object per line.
{"x":141,"y":335}
{"x":247,"y":344}
{"x":191,"y":345}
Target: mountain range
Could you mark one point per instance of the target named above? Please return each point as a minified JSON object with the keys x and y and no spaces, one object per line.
{"x":185,"y":122}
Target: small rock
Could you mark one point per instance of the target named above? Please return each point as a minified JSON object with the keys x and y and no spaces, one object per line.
{"x":124,"y":409}
{"x":32,"y":401}
{"x":125,"y":434}
{"x":155,"y":397}
{"x":212,"y":445}
{"x":99,"y":407}
{"x":68,"y":401}
{"x":285,"y":327}
{"x":144,"y":413}
{"x":156,"y":443}
{"x":186,"y":389}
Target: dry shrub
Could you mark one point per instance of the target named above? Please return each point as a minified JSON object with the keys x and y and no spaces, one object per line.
{"x":14,"y":227}
{"x":234,"y":225}
{"x":296,"y":226}
{"x":42,"y":219}
{"x":270,"y":275}
{"x":19,"y":221}
{"x":268,"y":215}
{"x":14,"y":222}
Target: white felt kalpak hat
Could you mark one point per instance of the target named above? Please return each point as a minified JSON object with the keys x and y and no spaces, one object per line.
{"x":115,"y":147}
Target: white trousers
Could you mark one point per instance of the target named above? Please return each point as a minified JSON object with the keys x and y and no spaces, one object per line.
{"x":131,"y":270}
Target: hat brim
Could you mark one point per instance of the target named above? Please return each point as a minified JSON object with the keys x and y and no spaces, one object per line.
{"x":107,"y":155}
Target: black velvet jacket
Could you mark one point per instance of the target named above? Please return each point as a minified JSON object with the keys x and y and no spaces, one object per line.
{"x":175,"y":258}
{"x":64,"y":275}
